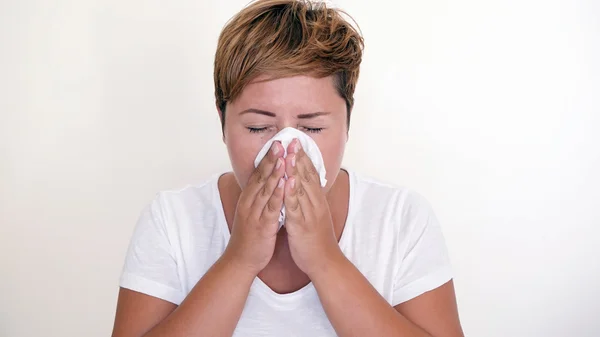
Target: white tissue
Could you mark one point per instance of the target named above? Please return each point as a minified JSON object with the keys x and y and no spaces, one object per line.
{"x":309,"y":146}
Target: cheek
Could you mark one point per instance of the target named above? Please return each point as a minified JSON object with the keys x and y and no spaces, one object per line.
{"x":333,"y":153}
{"x":242,"y":150}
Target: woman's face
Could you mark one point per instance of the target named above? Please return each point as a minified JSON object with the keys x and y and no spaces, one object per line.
{"x":264,"y":108}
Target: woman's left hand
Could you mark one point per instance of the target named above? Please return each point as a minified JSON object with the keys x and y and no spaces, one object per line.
{"x":308,"y":222}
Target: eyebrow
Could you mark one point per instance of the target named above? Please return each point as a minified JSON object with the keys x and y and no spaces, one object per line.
{"x":313,"y":115}
{"x":258,"y":111}
{"x":272,"y":114}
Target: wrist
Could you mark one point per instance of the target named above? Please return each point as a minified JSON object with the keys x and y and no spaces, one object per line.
{"x":326,"y":262}
{"x":236,"y":262}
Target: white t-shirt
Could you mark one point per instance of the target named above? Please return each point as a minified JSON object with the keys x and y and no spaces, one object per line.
{"x":391,"y":236}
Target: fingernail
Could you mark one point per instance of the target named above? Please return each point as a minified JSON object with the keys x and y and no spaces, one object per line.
{"x":292,"y":182}
{"x":275,"y":148}
{"x":294,"y":161}
{"x":297,"y":146}
{"x":279,"y":162}
{"x":281,"y":182}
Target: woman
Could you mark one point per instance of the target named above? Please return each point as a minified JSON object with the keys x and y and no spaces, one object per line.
{"x":356,"y":257}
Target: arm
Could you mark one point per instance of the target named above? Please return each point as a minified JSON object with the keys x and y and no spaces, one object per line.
{"x":219,"y":296}
{"x":351,"y":303}
{"x":355,"y":308}
{"x":215,"y":304}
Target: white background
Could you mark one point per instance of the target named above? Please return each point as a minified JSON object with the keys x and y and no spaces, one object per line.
{"x":490,"y":109}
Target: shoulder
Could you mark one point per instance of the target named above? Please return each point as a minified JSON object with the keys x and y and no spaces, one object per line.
{"x":186,"y":200}
{"x":403,"y":202}
{"x":385,"y":209}
{"x":395,"y":233}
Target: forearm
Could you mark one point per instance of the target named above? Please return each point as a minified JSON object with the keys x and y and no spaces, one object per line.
{"x":214,"y":305}
{"x":354,"y":307}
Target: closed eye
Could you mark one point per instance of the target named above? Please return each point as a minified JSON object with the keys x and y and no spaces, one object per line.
{"x":313,"y":130}
{"x":257,"y":130}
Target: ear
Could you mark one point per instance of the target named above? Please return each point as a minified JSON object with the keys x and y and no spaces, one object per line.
{"x":220,"y":113}
{"x":348,"y":115}
{"x":347,"y":132}
{"x":222,"y":120}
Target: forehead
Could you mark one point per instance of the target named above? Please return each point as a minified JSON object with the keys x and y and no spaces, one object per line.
{"x":291,"y":93}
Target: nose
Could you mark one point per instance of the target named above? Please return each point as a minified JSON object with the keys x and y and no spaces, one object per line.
{"x":287,"y":123}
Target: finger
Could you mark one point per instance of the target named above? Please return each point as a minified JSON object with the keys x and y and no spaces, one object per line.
{"x":263,"y":195}
{"x":272,"y":209}
{"x":262,"y":172}
{"x":291,"y":168}
{"x":293,"y":210}
{"x":306,"y":169}
{"x":307,"y":206}
{"x":300,"y":166}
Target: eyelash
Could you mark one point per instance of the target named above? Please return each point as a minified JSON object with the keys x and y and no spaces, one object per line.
{"x":263,"y":129}
{"x":256,"y":130}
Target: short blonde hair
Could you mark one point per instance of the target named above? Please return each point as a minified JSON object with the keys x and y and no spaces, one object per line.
{"x":282,"y":38}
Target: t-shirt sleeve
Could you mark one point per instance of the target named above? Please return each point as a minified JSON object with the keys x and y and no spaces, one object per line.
{"x":150,"y":264}
{"x":425,"y":264}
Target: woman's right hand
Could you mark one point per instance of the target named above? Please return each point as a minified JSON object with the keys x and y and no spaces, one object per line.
{"x":256,"y":220}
